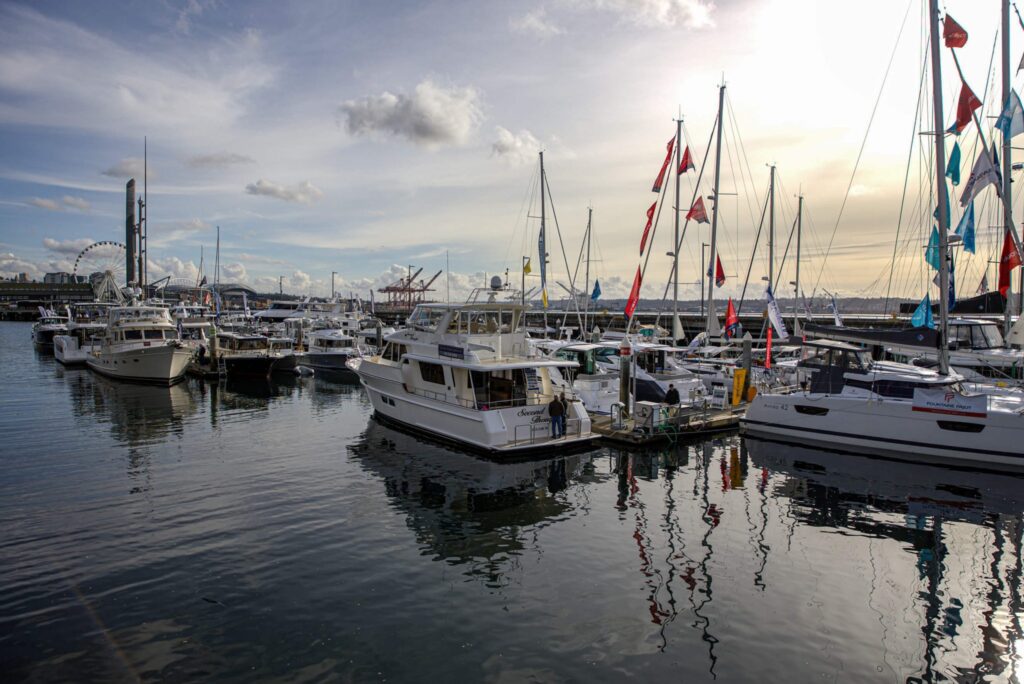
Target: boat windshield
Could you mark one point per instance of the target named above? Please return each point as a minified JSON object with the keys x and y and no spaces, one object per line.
{"x":426,"y":318}
{"x":484,"y":322}
{"x":827,"y":357}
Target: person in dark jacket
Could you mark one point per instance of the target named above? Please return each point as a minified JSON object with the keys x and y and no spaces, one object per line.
{"x":672,"y":395}
{"x":556,"y":409}
{"x":565,"y":409}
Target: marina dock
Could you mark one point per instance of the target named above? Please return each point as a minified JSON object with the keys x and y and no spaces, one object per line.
{"x":671,"y":427}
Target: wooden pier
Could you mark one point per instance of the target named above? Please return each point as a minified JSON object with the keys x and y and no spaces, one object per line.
{"x":680,"y":424}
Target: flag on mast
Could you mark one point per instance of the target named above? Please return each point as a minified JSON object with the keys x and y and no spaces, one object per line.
{"x":835,"y":310}
{"x":686,"y":163}
{"x":1011,"y":120}
{"x":965,"y":107}
{"x":634,"y":294}
{"x":774,"y":315}
{"x":922,"y":317}
{"x":719,"y":272}
{"x":983,"y":286}
{"x":543,"y":267}
{"x":697,"y":212}
{"x":768,"y":350}
{"x":953,"y":167}
{"x":526,"y":267}
{"x":596,"y":294}
{"x":983,"y":174}
{"x":953,"y":33}
{"x":668,"y":157}
{"x":965,"y":229}
{"x":1008,"y":260}
{"x":931,"y":253}
{"x":647,"y":228}
{"x":732,"y":321}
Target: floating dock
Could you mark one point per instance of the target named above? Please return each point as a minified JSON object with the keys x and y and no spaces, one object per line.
{"x":669,"y":427}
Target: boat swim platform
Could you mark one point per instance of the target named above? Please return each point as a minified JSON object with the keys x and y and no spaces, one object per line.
{"x":683,"y":424}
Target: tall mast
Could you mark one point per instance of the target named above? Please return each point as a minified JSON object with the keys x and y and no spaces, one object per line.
{"x":675,"y":242}
{"x":712,"y":261}
{"x":1007,"y":154}
{"x":543,"y":245}
{"x":940,"y":183}
{"x":799,"y":229}
{"x":771,"y":230}
{"x":586,"y":275}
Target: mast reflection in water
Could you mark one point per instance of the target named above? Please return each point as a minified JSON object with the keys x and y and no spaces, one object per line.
{"x":277,"y":531}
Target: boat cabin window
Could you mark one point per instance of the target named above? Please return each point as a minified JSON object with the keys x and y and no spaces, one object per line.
{"x":500,"y":388}
{"x":584,"y":358}
{"x":393,"y":352}
{"x":432,"y":372}
{"x":484,"y":322}
{"x":975,"y":336}
{"x":280,"y":344}
{"x":651,"y":361}
{"x":606,"y":354}
{"x":328,"y":343}
{"x":426,"y":318}
{"x":133,"y":334}
{"x":154,"y":334}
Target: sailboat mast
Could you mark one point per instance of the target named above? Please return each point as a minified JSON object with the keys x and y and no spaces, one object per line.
{"x":1007,"y":159}
{"x":586,"y":274}
{"x":714,"y":207}
{"x":796,"y":283}
{"x":940,"y":183}
{"x":544,"y":244}
{"x":675,"y":242}
{"x":771,"y":230}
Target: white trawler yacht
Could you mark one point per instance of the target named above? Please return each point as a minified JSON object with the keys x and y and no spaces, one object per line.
{"x":141,"y":343}
{"x":465,"y":374}
{"x":48,"y":325}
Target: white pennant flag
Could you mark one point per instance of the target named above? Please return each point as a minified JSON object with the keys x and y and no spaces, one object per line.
{"x":1011,"y":120}
{"x":983,"y":174}
{"x":775,"y":316}
{"x":983,"y":287}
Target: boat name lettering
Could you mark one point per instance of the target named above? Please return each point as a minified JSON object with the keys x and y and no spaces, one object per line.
{"x":530,"y":412}
{"x":448,"y":351}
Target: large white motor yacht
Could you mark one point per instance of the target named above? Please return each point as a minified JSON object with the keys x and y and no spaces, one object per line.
{"x":848,"y":402}
{"x":48,"y":325}
{"x":141,"y":343}
{"x":466,"y":374}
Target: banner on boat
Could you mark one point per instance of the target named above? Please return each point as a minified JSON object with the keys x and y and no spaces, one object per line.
{"x":950,"y":403}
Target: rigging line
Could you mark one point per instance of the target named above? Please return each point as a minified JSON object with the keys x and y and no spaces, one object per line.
{"x":1017,"y":12}
{"x":565,"y":257}
{"x":743,"y":179}
{"x":863,"y":144}
{"x":650,"y":248}
{"x":743,"y":149}
{"x":906,"y":180}
{"x":753,"y":252}
{"x":686,"y":222}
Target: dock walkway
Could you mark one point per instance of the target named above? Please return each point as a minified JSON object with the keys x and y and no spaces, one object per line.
{"x":684,"y":423}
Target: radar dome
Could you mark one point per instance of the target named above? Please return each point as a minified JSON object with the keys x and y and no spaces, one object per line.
{"x":496,"y":282}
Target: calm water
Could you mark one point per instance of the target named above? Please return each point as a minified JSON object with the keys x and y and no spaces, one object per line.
{"x":243,"y":533}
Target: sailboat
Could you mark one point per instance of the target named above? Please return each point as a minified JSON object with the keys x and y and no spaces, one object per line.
{"x":849,"y":402}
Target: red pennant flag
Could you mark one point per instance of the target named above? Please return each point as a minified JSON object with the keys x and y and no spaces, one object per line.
{"x":634,"y":295}
{"x":1009,"y":260}
{"x":732,"y":321}
{"x":719,"y":272}
{"x":664,"y":166}
{"x":697,"y":212}
{"x":967,"y":103}
{"x":647,"y":228}
{"x":768,"y":351}
{"x":953,"y":33}
{"x":686,"y":163}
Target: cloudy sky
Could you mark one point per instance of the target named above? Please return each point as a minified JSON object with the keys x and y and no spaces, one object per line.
{"x":362,"y":137}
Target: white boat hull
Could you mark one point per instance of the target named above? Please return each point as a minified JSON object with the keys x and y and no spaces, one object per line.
{"x":507,"y":430}
{"x":68,"y":352}
{"x":164,"y":364}
{"x":889,"y":428}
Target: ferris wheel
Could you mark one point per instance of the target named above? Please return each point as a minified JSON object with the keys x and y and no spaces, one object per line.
{"x":104,"y":257}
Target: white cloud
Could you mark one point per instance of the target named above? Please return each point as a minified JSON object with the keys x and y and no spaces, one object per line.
{"x":69,"y":247}
{"x":219,"y":160}
{"x":11,"y":266}
{"x":537,"y":24}
{"x":304,"y":193}
{"x":432,"y":115}
{"x":191,"y":8}
{"x":75,"y":202}
{"x":129,"y":167}
{"x":300,"y":280}
{"x":174,"y":267}
{"x":692,"y":14}
{"x":518,"y":148}
{"x":234,"y":273}
{"x":42,"y":203}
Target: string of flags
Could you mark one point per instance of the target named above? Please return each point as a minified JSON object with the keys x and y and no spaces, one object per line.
{"x":670,"y":147}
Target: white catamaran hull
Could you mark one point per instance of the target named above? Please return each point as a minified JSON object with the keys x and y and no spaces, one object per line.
{"x":890,"y":428}
{"x":165,"y":363}
{"x":507,"y":430}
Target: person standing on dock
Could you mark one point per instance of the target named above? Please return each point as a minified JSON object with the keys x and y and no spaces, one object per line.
{"x":672,"y":399}
{"x":556,"y":409}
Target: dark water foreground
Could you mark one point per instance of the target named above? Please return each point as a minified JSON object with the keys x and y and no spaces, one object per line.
{"x":244,"y":533}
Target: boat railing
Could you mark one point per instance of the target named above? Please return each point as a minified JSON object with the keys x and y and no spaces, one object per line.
{"x":493,"y":405}
{"x":528,"y":433}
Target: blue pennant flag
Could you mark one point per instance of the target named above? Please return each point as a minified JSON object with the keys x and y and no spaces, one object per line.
{"x":1011,"y":120}
{"x":596,"y":294}
{"x":965,"y":229}
{"x":953,"y":168}
{"x":949,"y":215}
{"x":931,"y":254}
{"x":922,"y":317}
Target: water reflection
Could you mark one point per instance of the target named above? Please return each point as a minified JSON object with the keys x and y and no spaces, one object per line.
{"x":962,"y":534}
{"x":465,"y":509}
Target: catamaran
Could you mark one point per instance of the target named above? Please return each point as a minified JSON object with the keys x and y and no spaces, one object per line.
{"x":466,"y":374}
{"x":848,"y":402}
